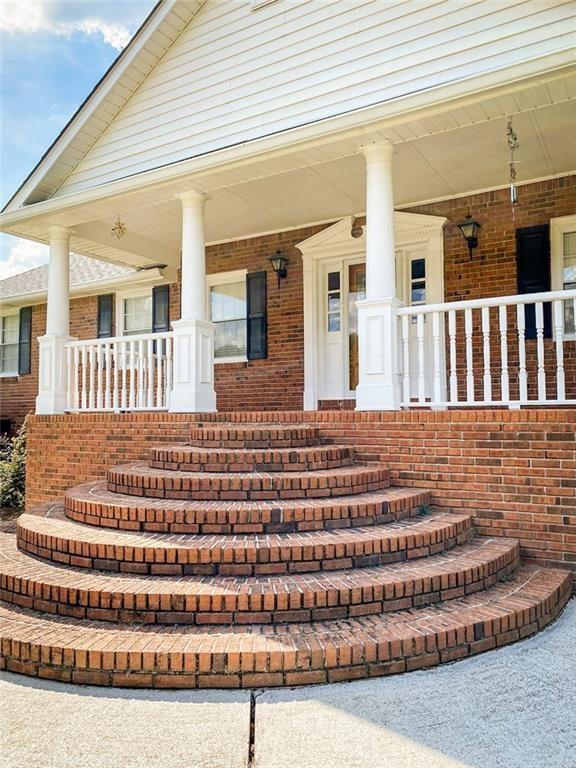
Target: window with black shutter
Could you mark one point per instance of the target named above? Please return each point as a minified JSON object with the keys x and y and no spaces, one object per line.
{"x":533,"y":273}
{"x":160,"y":309}
{"x":256,"y":316}
{"x":105,"y":316}
{"x":25,"y":341}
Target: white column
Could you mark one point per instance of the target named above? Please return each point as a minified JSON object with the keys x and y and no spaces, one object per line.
{"x":379,"y":381}
{"x":193,"y":380}
{"x":52,"y":375}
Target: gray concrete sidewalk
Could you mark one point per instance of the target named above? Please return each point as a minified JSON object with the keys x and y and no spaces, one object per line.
{"x":512,"y":708}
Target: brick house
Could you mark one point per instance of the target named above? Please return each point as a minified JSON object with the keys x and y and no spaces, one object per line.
{"x":295,"y":230}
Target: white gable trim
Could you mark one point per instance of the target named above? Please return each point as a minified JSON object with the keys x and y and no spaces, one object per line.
{"x":104,"y":89}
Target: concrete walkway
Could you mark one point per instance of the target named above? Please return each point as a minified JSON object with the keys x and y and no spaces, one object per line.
{"x":512,"y":708}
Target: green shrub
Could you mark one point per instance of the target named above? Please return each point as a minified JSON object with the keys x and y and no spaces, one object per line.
{"x":13,"y":471}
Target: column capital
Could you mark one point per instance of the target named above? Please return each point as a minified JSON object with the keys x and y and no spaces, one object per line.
{"x":192,"y":199}
{"x":380,"y":152}
{"x":59,"y":233}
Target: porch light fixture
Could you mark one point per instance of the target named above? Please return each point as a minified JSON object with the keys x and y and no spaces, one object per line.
{"x":469,"y":228}
{"x":279,"y":265}
{"x":357,"y":230}
{"x":119,"y":228}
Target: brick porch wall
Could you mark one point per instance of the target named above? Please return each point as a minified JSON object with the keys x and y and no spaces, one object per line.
{"x":515,"y":471}
{"x":278,"y":381}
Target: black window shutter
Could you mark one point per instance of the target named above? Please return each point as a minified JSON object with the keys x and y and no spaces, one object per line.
{"x":533,"y":272}
{"x":257,"y":322}
{"x":25,"y":342}
{"x":105,"y":316}
{"x":160,"y":308}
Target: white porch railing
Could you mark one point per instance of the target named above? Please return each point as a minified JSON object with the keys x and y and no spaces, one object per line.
{"x":475,"y":353}
{"x":123,"y":373}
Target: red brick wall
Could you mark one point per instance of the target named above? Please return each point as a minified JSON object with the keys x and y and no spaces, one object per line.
{"x":515,"y":471}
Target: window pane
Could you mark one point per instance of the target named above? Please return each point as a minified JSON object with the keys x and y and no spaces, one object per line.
{"x":418,"y":269}
{"x":10,"y":330}
{"x":138,"y":315}
{"x":228,"y":302}
{"x":9,"y":358}
{"x":333,"y":323}
{"x":334,"y":281}
{"x":230,"y":338}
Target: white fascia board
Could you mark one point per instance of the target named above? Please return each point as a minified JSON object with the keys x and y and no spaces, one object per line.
{"x":94,"y":287}
{"x":349,"y":125}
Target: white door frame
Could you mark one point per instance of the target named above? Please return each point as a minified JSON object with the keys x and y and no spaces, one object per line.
{"x":336,"y":242}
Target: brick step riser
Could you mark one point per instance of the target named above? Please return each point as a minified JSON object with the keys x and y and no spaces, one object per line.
{"x":229,"y":488}
{"x":160,"y":561}
{"x":288,"y":608}
{"x":226,"y":466}
{"x":254,"y":437}
{"x":139,"y":669}
{"x":255,"y":521}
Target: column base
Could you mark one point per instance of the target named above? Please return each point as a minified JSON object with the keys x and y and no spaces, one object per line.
{"x":52,"y":375}
{"x":193,"y":361}
{"x":379,"y":381}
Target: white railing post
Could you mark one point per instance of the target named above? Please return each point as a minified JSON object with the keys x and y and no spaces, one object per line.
{"x":453,"y":360}
{"x":558,"y":307}
{"x":468,"y":333}
{"x":522,"y":373}
{"x":504,"y":374}
{"x":541,"y":376}
{"x":487,"y":381}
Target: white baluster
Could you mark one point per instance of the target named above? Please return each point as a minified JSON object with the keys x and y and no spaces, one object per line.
{"x":125,"y":374}
{"x":76,"y":399}
{"x":141,"y":373}
{"x":453,"y":362}
{"x":468,"y":332}
{"x":159,"y":358}
{"x":116,"y":364}
{"x":504,"y":375}
{"x":522,"y":376}
{"x":108,"y":363}
{"x":486,"y":353}
{"x":84,"y":378}
{"x":540,"y":350}
{"x":92,"y":378}
{"x":437,"y":356}
{"x":99,"y":388}
{"x":421,"y":359}
{"x":405,"y":325}
{"x":133,"y":374}
{"x":69,"y":374}
{"x":150,"y":374}
{"x":559,"y":344}
{"x":168,"y":376}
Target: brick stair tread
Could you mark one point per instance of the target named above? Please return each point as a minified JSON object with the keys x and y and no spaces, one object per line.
{"x":286,"y":654}
{"x":190,"y":458}
{"x":137,"y":478}
{"x":50,"y":534}
{"x":53,"y":588}
{"x":93,"y":501}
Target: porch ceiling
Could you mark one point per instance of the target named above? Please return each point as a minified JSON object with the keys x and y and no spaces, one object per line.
{"x":439,"y":154}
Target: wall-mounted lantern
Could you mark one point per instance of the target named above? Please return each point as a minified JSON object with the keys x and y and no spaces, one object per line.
{"x":469,"y":228}
{"x":279,"y":265}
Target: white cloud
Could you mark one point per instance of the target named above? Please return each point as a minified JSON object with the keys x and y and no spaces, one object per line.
{"x":24,"y":255}
{"x":28,"y":17}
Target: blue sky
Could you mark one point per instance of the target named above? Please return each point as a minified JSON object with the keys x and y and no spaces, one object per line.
{"x":51,"y":56}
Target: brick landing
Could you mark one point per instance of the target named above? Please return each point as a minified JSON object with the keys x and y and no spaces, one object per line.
{"x":240,"y":559}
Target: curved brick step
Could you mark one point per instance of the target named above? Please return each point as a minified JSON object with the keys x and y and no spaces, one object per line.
{"x":94,"y":504}
{"x":191,"y":459}
{"x":287,"y":654}
{"x":56,"y":538}
{"x":138,"y":479}
{"x":223,"y":435}
{"x":49,"y":588}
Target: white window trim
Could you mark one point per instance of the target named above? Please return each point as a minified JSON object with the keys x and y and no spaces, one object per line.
{"x":558,"y":228}
{"x":10,"y":374}
{"x":120,"y":296}
{"x":223,"y":278}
